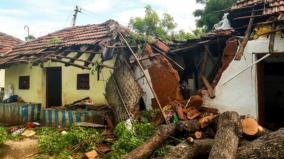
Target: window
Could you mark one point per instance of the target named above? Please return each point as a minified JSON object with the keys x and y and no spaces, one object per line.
{"x":24,"y":82}
{"x":83,"y":82}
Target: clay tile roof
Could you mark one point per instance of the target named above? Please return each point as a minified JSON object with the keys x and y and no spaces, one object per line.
{"x":71,"y":36}
{"x":7,"y":42}
{"x":270,"y":6}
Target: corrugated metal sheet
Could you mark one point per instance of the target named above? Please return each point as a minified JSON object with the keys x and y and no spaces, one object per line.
{"x":66,"y":118}
{"x":19,"y":113}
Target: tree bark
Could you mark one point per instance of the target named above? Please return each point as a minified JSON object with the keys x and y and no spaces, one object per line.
{"x":227,"y":137}
{"x":149,"y":146}
{"x":184,"y":150}
{"x":268,"y":146}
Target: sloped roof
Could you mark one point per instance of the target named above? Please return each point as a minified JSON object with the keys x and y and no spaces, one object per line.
{"x":7,"y":42}
{"x":79,"y":38}
{"x":270,"y":6}
{"x":79,"y":35}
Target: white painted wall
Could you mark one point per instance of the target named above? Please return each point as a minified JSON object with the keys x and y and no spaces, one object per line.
{"x":240,"y":94}
{"x":147,"y":93}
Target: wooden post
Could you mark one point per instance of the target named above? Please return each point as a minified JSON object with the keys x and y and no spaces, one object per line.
{"x":148,"y":81}
{"x":272,"y":38}
{"x":244,"y":42}
{"x":202,"y":73}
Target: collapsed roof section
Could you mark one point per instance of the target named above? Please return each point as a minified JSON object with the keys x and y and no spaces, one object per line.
{"x":56,"y":46}
{"x":7,"y":42}
{"x":262,"y":12}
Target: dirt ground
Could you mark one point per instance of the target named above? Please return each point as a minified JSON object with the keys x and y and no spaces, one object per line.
{"x":24,"y":149}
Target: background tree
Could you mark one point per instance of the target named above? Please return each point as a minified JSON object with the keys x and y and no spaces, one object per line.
{"x":29,"y":38}
{"x":152,"y":25}
{"x":208,"y":16}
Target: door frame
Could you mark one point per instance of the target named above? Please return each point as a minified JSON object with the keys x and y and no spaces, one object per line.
{"x":47,"y":82}
{"x":260,"y":87}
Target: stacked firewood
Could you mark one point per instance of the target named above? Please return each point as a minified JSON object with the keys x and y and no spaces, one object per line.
{"x":214,"y":136}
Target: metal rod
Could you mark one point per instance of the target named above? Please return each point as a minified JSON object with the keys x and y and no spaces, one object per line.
{"x":256,"y":62}
{"x":120,"y":96}
{"x":148,"y":81}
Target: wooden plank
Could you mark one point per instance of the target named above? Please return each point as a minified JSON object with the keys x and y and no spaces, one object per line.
{"x":244,"y":42}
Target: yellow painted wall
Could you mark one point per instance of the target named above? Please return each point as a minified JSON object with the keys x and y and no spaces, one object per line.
{"x":36,"y":93}
{"x":2,"y":78}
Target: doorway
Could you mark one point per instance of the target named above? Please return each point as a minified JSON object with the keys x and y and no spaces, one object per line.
{"x":271,"y":92}
{"x":53,"y":87}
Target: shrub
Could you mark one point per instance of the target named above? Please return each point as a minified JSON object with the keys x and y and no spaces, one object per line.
{"x":129,"y":139}
{"x":3,"y":135}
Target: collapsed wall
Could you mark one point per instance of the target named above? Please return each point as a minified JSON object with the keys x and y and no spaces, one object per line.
{"x":122,"y":91}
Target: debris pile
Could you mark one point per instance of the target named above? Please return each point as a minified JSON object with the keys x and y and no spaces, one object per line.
{"x":235,"y":137}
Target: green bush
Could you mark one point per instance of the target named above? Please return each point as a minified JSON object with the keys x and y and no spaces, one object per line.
{"x":3,"y":135}
{"x":127,"y":139}
{"x":76,"y":140}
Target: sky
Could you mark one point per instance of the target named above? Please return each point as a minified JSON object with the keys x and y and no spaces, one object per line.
{"x":46,"y":16}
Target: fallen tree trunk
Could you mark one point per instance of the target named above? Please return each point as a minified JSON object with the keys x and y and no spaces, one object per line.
{"x":268,"y":146}
{"x":227,"y":137}
{"x":200,"y":148}
{"x":149,"y":146}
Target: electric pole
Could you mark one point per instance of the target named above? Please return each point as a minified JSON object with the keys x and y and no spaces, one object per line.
{"x":76,"y":11}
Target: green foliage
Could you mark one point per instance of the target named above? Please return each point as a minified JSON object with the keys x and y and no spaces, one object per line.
{"x":55,"y":40}
{"x":129,"y":139}
{"x":208,"y":16}
{"x":29,"y":38}
{"x":77,"y":139}
{"x":65,"y":154}
{"x":152,"y":25}
{"x":3,"y":135}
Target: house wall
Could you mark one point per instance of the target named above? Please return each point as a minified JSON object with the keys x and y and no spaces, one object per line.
{"x":240,"y":94}
{"x":123,"y":91}
{"x":36,"y":93}
{"x":2,"y":78}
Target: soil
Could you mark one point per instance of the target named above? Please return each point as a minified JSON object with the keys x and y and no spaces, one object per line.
{"x":23,"y":149}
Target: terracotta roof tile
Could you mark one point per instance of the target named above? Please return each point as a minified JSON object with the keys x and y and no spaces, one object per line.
{"x":270,"y":6}
{"x":7,"y":42}
{"x":79,"y":35}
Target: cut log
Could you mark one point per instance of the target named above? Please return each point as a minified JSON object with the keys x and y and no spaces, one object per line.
{"x":199,"y":149}
{"x":270,"y":146}
{"x":206,"y":120}
{"x":198,"y":135}
{"x":192,"y":113}
{"x":149,"y":146}
{"x":249,"y":126}
{"x":179,"y":111}
{"x":227,"y":136}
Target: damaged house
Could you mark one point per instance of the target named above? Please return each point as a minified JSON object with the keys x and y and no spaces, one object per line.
{"x":6,"y":44}
{"x":61,"y":68}
{"x":239,"y":63}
